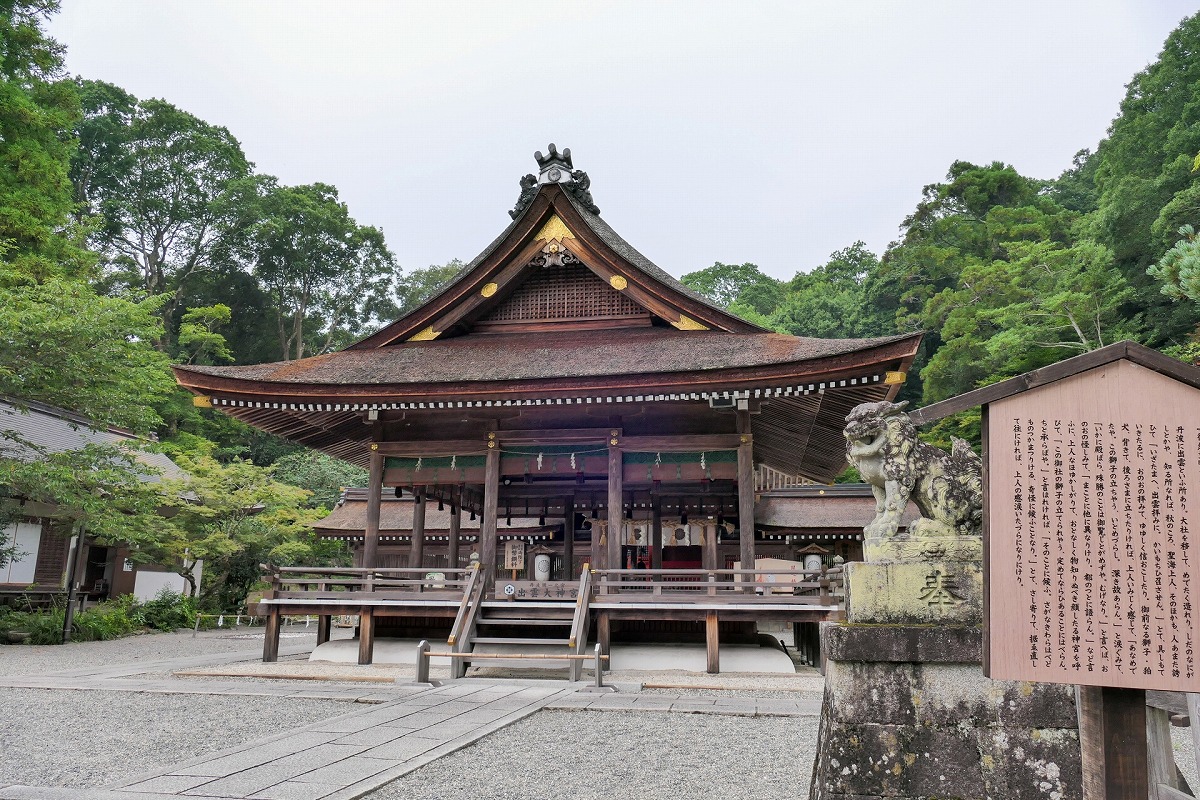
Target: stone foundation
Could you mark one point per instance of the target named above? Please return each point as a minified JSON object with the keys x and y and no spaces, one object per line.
{"x":909,"y":714}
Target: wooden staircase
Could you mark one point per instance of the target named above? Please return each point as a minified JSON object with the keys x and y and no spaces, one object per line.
{"x":533,"y":622}
{"x":556,"y":627}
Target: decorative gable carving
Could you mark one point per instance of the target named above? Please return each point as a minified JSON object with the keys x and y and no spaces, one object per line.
{"x":561,"y":295}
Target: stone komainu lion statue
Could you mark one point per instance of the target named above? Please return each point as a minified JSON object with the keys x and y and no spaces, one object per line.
{"x":881,"y":442}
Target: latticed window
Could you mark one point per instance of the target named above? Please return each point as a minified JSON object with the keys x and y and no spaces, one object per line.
{"x":571,"y":292}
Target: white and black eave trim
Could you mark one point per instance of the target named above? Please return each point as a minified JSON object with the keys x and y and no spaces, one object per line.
{"x":801,"y":390}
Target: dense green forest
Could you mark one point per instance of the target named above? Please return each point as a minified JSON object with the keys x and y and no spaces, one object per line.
{"x":134,"y":235}
{"x":1007,"y":273}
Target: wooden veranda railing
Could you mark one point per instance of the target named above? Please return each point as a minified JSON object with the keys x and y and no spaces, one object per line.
{"x":822,"y":587}
{"x":351,"y":583}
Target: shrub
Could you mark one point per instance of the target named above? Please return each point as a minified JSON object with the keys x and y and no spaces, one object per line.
{"x":169,"y":610}
{"x":109,"y":620}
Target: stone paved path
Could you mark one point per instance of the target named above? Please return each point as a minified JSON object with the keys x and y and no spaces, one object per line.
{"x":390,"y":731}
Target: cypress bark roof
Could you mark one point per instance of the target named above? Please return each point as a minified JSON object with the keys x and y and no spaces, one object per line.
{"x":533,"y":356}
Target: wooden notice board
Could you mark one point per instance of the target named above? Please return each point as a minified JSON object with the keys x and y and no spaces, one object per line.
{"x":1093,"y":498}
{"x":514,"y":554}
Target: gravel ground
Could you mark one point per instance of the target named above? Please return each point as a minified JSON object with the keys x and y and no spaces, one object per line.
{"x":618,"y":755}
{"x":93,"y":738}
{"x":1185,"y":755}
{"x":36,"y":659}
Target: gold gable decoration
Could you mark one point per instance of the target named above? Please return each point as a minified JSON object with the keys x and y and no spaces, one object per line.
{"x":686,"y":323}
{"x":426,"y":335}
{"x":555,"y":230}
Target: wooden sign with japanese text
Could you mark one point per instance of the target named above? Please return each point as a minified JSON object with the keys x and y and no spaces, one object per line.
{"x":1093,"y":487}
{"x":536,"y":590}
{"x":514,"y":554}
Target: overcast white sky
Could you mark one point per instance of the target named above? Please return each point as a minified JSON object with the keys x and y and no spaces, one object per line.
{"x":769,"y":132}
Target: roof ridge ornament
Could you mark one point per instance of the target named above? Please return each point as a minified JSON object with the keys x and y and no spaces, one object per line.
{"x":555,"y":167}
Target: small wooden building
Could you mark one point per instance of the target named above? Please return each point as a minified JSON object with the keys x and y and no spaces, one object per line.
{"x":43,"y":536}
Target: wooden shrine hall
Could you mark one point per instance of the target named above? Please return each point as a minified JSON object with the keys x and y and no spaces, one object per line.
{"x":562,"y":376}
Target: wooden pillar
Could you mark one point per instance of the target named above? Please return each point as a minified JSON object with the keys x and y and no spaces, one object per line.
{"x":616,"y":502}
{"x":271,"y":636}
{"x":711,"y":628}
{"x":656,"y":538}
{"x":569,"y":539}
{"x":603,"y":632}
{"x":709,"y":554}
{"x":366,"y":635}
{"x":746,"y":493}
{"x":456,"y":497}
{"x":416,"y":557}
{"x":370,"y":558}
{"x":1112,"y":743}
{"x":487,"y":526}
{"x":599,"y":544}
{"x":324,"y":623}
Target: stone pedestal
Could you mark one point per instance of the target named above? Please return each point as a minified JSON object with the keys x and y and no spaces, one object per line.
{"x":907,"y":711}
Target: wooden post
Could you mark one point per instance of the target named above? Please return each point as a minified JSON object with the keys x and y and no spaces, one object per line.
{"x":569,"y":539}
{"x":324,"y":623}
{"x":746,"y":495}
{"x":487,"y":526}
{"x":271,"y":636}
{"x":1112,"y":743}
{"x":366,"y":635}
{"x":656,"y":534}
{"x":616,"y":503}
{"x":600,"y":543}
{"x":603,"y":631}
{"x":416,"y":557}
{"x":709,"y":554}
{"x":1193,"y":704}
{"x":711,"y":628}
{"x":1160,"y":753}
{"x":456,"y":497}
{"x":370,"y":558}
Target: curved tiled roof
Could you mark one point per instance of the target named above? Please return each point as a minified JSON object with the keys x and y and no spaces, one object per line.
{"x":531,"y":356}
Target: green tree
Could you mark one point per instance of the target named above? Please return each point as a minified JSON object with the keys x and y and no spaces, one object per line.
{"x":38,"y":108}
{"x":325,"y":477}
{"x":414,"y":288}
{"x":1147,"y":187}
{"x":726,"y":284}
{"x":64,"y":345}
{"x":232,"y":509}
{"x":105,"y":489}
{"x":328,"y":277}
{"x":154,"y":180}
{"x":198,"y":337}
{"x":831,"y":301}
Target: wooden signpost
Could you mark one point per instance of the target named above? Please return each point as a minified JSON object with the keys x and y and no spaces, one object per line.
{"x":514,"y":556}
{"x":1092,"y":501}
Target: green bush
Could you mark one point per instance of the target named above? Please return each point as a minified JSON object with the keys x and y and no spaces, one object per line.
{"x":109,"y":620}
{"x":169,"y":610}
{"x":104,"y":621}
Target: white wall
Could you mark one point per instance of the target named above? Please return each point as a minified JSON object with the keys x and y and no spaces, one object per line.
{"x":148,"y":584}
{"x":28,"y":538}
